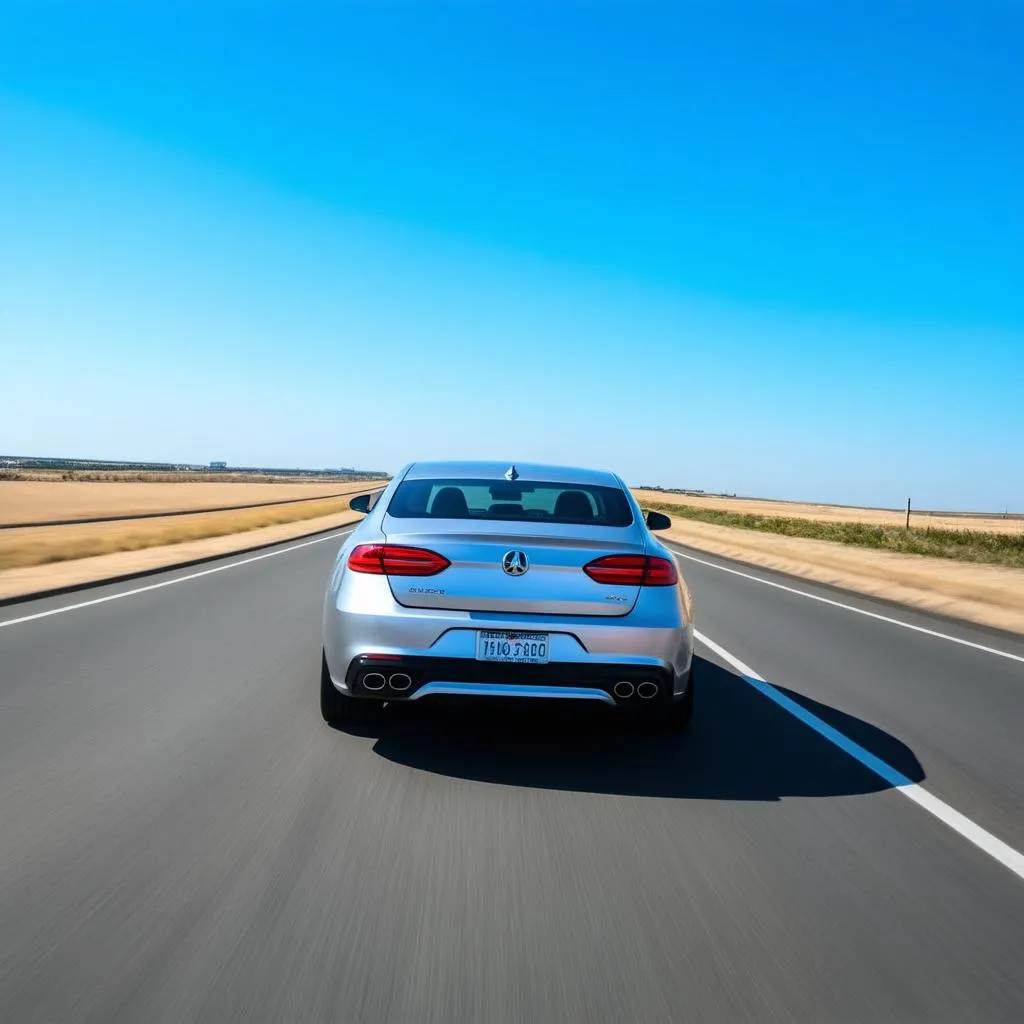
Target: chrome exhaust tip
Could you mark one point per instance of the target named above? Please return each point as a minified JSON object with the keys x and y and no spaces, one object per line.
{"x":400,"y":681}
{"x":373,"y":681}
{"x":623,"y":689}
{"x":646,"y":690}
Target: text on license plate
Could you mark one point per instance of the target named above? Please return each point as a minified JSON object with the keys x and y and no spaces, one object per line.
{"x":503,"y":645}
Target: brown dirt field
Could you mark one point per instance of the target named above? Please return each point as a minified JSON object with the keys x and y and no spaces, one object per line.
{"x":992,"y":595}
{"x":24,"y":501}
{"x":20,"y":548}
{"x":832,"y":513}
{"x":34,"y":579}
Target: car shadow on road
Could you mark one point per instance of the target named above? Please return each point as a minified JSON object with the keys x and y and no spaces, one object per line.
{"x":740,"y":746}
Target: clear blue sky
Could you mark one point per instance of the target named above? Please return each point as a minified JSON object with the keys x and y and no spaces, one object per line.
{"x":774,"y":249}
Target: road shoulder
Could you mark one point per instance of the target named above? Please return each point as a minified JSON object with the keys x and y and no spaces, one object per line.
{"x":40,"y":580}
{"x":989,"y":595}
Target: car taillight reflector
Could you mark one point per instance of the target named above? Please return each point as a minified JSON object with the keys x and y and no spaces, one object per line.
{"x":396,"y":560}
{"x":632,"y":571}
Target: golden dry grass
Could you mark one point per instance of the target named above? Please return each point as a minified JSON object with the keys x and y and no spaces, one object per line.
{"x":30,"y":501}
{"x":37,"y":546}
{"x":992,"y":595}
{"x":832,"y":513}
{"x":36,"y":579}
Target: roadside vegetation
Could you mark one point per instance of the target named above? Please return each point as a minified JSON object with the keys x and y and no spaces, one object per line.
{"x":961,"y":545}
{"x":38,"y":503}
{"x":20,"y":548}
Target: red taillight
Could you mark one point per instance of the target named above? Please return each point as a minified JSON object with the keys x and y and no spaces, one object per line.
{"x":396,"y":560}
{"x":632,"y":571}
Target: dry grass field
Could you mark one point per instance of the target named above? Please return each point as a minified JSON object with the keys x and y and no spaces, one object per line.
{"x":46,"y":501}
{"x":40,"y":545}
{"x":982,"y":541}
{"x":967,"y":567}
{"x":36,"y":579}
{"x":992,"y":595}
{"x":31,"y":501}
{"x":833,"y":513}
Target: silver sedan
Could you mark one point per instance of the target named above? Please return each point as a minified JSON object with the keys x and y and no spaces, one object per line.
{"x":479,"y":580}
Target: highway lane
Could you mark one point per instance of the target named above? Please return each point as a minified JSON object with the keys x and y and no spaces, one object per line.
{"x":181,"y":837}
{"x":958,"y":708}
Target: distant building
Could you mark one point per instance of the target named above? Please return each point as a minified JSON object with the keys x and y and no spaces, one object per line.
{"x":218,"y":465}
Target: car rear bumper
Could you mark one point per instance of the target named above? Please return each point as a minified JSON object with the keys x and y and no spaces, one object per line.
{"x":433,"y":646}
{"x":403,"y":678}
{"x":512,"y":692}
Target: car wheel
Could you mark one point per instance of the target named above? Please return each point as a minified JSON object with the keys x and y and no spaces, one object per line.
{"x":677,"y":716}
{"x":339,"y":710}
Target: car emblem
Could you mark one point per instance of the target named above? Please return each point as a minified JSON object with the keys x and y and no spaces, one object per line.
{"x":515,"y":563}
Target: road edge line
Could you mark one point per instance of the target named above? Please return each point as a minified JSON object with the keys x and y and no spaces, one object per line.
{"x":854,"y":608}
{"x":949,"y":816}
{"x":177,"y":579}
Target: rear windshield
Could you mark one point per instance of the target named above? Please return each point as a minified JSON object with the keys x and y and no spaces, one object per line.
{"x":522,"y":502}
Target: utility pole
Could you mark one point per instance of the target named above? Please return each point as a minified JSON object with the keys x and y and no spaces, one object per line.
{"x":908,"y":513}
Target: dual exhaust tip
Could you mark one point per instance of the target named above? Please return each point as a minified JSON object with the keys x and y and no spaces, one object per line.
{"x":645,"y":690}
{"x":397,"y":681}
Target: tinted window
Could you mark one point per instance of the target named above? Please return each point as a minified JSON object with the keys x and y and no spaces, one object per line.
{"x":521,"y":502}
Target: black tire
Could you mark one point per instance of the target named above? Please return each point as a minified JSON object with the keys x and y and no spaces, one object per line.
{"x":338,"y":710}
{"x":678,"y":715}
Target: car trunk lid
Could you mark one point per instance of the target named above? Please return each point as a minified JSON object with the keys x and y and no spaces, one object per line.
{"x":534,"y":570}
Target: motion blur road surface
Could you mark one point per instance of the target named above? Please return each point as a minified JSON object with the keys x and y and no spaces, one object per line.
{"x":182,"y":838}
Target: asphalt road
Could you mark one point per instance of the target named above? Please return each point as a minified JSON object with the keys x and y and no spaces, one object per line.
{"x":183,"y":839}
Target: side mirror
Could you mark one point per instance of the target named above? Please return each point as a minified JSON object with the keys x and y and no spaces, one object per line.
{"x":658,"y":521}
{"x":360,"y":503}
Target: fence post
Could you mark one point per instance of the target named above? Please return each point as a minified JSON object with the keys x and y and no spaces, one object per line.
{"x":908,"y":513}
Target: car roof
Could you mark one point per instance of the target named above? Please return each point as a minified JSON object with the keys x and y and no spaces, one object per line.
{"x":527,"y":472}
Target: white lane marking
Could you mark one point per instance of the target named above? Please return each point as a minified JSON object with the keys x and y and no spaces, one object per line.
{"x":168,"y":583}
{"x":853,"y":608}
{"x":971,"y":831}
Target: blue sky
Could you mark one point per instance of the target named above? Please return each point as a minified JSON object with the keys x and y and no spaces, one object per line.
{"x":772,"y":249}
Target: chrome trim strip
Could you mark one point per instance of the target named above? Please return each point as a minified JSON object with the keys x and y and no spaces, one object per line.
{"x":510,"y":690}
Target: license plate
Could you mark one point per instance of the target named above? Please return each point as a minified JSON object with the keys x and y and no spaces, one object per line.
{"x":503,"y":645}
